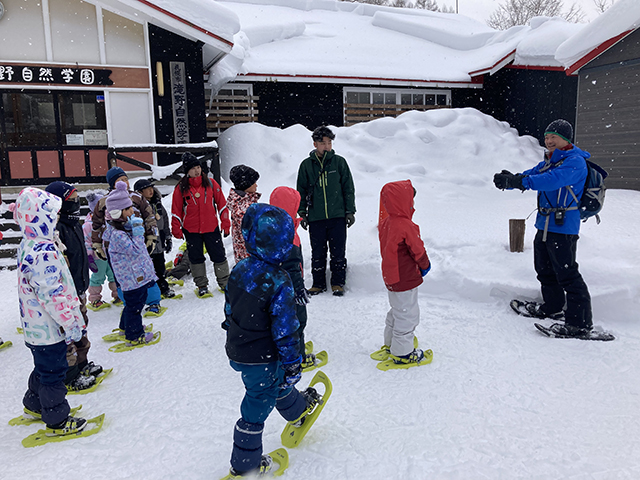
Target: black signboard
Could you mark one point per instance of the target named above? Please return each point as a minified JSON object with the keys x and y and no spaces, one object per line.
{"x":63,"y":75}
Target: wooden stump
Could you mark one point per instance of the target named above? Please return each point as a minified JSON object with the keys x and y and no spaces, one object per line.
{"x":516,"y":235}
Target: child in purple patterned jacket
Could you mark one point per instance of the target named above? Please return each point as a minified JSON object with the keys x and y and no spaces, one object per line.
{"x":130,"y":261}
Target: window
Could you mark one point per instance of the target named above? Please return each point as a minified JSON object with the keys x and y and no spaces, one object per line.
{"x":233,"y":104}
{"x":363,"y":104}
{"x":40,"y":118}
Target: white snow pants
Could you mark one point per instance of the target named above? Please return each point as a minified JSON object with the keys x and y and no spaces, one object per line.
{"x":402,"y":319}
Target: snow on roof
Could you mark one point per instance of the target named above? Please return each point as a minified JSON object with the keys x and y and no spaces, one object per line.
{"x":359,"y":43}
{"x":622,"y":17}
{"x":203,"y":20}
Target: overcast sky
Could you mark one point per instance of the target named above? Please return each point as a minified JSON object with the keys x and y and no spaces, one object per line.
{"x":482,"y":9}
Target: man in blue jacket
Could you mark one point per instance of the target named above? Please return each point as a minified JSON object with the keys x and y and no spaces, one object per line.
{"x":559,"y":181}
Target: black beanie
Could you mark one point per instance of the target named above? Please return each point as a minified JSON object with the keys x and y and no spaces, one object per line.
{"x":243,"y":177}
{"x":560,"y":127}
{"x":189,"y":160}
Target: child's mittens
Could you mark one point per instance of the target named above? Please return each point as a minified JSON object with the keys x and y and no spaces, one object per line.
{"x":423,"y":272}
{"x":301,"y":297}
{"x":226,"y":232}
{"x":92,"y":264}
{"x":292,"y":372}
{"x":73,"y":334}
{"x":168,"y":245}
{"x":137,"y":228}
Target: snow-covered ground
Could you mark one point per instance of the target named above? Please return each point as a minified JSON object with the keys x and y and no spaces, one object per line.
{"x":499,"y":401}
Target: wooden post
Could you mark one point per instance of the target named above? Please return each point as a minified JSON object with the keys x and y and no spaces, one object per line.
{"x":516,"y":235}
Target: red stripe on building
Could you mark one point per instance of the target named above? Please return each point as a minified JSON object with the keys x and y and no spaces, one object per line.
{"x":599,"y":50}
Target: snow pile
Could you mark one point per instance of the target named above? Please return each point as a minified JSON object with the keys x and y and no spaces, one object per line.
{"x":340,"y":39}
{"x":206,"y":14}
{"x":622,"y":16}
{"x":498,"y":401}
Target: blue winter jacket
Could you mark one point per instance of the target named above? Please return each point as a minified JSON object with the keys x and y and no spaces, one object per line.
{"x":260,"y":310}
{"x":567,"y":168}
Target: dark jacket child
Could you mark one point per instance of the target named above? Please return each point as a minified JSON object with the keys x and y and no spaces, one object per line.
{"x":243,"y":194}
{"x":404,"y":263}
{"x":152,"y":195}
{"x":288,"y":199}
{"x":81,"y":373}
{"x":197,"y":202}
{"x":262,"y":335}
{"x":49,"y":310}
{"x":130,"y":262}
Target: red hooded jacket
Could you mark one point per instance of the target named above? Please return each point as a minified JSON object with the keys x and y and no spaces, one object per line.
{"x":196,"y":211}
{"x":402,"y":249}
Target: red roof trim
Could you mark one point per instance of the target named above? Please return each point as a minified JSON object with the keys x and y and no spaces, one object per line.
{"x":186,"y":22}
{"x":488,"y":69}
{"x":596,"y":52}
{"x":537,"y":67}
{"x":344,"y":77}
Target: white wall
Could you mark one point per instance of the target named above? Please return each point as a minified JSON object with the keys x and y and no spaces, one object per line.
{"x":130,"y":118}
{"x":124,"y":40}
{"x":22,"y":31}
{"x":74,"y":32}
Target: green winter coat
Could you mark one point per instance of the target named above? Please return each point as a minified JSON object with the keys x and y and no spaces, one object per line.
{"x":330,"y":185}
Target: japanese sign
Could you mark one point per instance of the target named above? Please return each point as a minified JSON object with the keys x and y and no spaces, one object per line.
{"x":179,"y":100}
{"x":60,"y":75}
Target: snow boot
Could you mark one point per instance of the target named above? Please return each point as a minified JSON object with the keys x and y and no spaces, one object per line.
{"x":81,"y":382}
{"x":316,"y":290}
{"x":221,"y":270}
{"x":69,"y":426}
{"x":91,"y":369}
{"x":146,"y":337}
{"x":414,"y":357}
{"x":311,"y":398}
{"x":534,"y":310}
{"x":199,"y":272}
{"x":338,"y":290}
{"x":266,"y":462}
{"x":308,"y":360}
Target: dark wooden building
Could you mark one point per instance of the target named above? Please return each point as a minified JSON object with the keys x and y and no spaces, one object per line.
{"x":608,"y":113}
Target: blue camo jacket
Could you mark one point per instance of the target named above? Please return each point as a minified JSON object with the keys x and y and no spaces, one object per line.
{"x":260,"y":317}
{"x":568,"y":168}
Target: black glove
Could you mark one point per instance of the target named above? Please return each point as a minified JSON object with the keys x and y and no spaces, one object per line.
{"x":292,"y":372}
{"x":351,"y":219}
{"x":507,"y":180}
{"x":304,"y":223}
{"x":302,"y":297}
{"x":168,"y":245}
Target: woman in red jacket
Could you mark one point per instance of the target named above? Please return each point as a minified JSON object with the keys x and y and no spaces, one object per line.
{"x":197,"y":202}
{"x":404,"y":263}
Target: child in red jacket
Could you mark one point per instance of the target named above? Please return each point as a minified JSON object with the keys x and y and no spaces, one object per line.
{"x":404,"y":263}
{"x":197,"y":202}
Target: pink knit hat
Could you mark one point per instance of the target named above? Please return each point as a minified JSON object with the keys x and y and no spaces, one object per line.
{"x":118,"y":200}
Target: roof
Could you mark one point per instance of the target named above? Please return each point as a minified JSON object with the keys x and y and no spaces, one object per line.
{"x":344,"y":42}
{"x":199,"y":20}
{"x":620,"y":20}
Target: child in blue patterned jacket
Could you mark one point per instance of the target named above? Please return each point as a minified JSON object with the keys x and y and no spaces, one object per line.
{"x":130,"y":261}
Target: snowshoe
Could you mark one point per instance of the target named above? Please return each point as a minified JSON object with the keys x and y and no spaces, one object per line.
{"x":203,"y":292}
{"x":280,"y":457}
{"x":311,"y":361}
{"x":29,"y":416}
{"x":117,"y":334}
{"x":414,"y":359}
{"x":175,"y":281}
{"x":560,"y":330}
{"x":171,"y":295}
{"x":99,"y":379}
{"x":117,"y":302}
{"x":91,"y":369}
{"x":98,"y":305}
{"x":81,"y":382}
{"x":308,"y":347}
{"x":154,"y":311}
{"x":149,"y":338}
{"x":292,"y":435}
{"x":69,"y":431}
{"x":6,"y":344}
{"x":534,"y":310}
{"x":384,"y":351}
